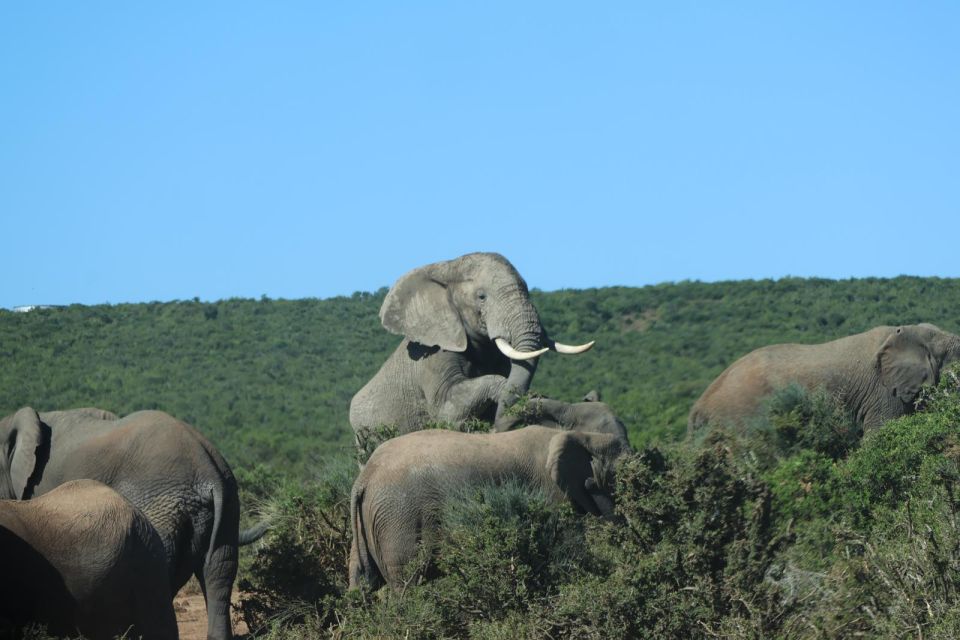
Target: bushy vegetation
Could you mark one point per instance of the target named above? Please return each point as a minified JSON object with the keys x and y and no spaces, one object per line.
{"x":270,"y":381}
{"x":709,"y":540}
{"x":798,"y":526}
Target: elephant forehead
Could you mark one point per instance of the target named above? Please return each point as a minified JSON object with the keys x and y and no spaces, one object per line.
{"x":491,"y":265}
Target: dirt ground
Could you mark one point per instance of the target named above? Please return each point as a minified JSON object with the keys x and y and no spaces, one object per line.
{"x":192,"y":614}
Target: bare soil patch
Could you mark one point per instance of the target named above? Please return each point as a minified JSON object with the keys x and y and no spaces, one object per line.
{"x":191,"y":613}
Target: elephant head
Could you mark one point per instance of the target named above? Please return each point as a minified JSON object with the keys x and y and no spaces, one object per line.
{"x":914,"y":355}
{"x":475,"y":302}
{"x":20,"y":436}
{"x":589,"y":415}
{"x":582,"y":465}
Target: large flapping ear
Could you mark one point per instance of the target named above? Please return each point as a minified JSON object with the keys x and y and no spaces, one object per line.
{"x":26,"y":437}
{"x":904,"y":364}
{"x":419,"y":307}
{"x":569,"y":464}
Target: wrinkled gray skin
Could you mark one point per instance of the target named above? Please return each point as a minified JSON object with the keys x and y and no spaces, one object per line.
{"x":448,"y":368}
{"x":591,"y":415}
{"x":160,"y":464}
{"x":397,"y":497}
{"x":83,"y":560}
{"x":877,"y":374}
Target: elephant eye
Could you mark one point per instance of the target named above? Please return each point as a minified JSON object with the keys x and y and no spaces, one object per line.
{"x":481,"y":295}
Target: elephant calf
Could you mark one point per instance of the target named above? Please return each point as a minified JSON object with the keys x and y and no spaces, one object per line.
{"x":82,"y":559}
{"x":397,"y":497}
{"x":877,"y":374}
{"x":590,"y":415}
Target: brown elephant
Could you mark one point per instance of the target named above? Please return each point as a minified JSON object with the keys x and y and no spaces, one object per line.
{"x":471,"y":343}
{"x":83,"y":560}
{"x":397,"y":497}
{"x":876,"y":374}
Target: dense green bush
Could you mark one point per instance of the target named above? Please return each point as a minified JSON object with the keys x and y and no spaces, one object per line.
{"x":814,"y":420}
{"x":270,"y":381}
{"x":796,"y":527}
{"x":299,"y":571}
{"x":705,"y":543}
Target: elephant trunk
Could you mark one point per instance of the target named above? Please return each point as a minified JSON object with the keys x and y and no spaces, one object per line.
{"x":525,"y":336}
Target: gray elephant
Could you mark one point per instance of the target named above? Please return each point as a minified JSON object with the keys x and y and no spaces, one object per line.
{"x":589,"y":415}
{"x":162,"y":465}
{"x":83,"y":560}
{"x":470,"y":348}
{"x":877,"y":374}
{"x":397,"y":497}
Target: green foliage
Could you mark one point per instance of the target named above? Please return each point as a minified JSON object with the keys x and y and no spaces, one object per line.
{"x":812,"y":420}
{"x":794,"y":528}
{"x":705,"y":543}
{"x":298,"y":573}
{"x":503,"y":549}
{"x":695,"y":541}
{"x":367,"y":440}
{"x":270,"y":381}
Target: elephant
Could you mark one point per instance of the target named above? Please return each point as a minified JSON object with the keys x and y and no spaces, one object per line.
{"x":876,"y":374}
{"x":162,"y":465}
{"x":589,"y":415}
{"x":83,"y":560}
{"x":471,"y":343}
{"x":396,"y":499}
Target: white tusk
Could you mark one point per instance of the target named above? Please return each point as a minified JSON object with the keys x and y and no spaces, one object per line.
{"x":559,"y":347}
{"x":513,"y":354}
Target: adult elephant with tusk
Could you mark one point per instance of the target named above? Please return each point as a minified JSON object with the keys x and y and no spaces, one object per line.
{"x":471,"y":342}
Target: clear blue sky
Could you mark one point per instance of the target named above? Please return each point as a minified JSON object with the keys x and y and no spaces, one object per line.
{"x":176,"y":150}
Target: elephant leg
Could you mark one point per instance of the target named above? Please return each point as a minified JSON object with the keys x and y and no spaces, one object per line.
{"x":155,"y":615}
{"x":471,"y":397}
{"x":216,"y":578}
{"x":517,"y":384}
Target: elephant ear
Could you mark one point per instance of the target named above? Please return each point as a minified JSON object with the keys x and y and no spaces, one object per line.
{"x":592,"y":396}
{"x":569,"y":462}
{"x":419,"y":306}
{"x":24,"y":440}
{"x":904,"y":364}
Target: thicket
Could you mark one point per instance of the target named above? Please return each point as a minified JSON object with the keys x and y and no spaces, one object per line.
{"x":799,"y":526}
{"x":270,"y":381}
{"x":729,"y":537}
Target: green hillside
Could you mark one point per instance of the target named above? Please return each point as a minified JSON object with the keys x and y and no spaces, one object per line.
{"x":270,"y":381}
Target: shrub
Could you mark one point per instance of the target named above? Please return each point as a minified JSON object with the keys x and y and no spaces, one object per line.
{"x":502,"y":549}
{"x":692,"y":545}
{"x":367,"y":440}
{"x":706,"y":542}
{"x":300,"y":569}
{"x":814,"y":420}
{"x":501,"y":553}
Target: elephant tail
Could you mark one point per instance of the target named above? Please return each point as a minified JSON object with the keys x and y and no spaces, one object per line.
{"x":215,"y":533}
{"x":363,"y":566}
{"x":254,"y":533}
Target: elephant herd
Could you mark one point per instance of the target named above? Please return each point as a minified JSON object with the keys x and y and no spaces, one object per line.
{"x":105,"y":518}
{"x":117,"y":513}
